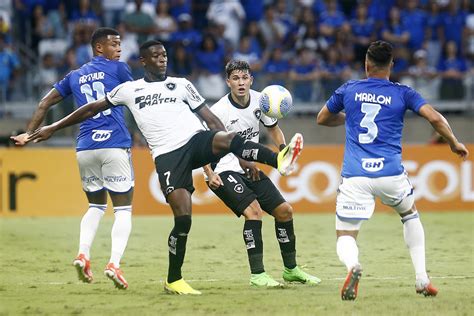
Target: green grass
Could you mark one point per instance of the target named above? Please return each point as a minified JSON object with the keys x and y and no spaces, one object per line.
{"x":37,"y":277}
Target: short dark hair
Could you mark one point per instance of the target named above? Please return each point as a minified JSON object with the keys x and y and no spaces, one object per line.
{"x":236,"y":65}
{"x":101,"y":33}
{"x":380,"y":53}
{"x":144,"y":47}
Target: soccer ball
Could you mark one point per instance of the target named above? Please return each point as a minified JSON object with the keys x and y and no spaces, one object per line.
{"x":275,"y":101}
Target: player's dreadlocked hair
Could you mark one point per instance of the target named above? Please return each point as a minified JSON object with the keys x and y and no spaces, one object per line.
{"x":144,"y":47}
{"x":236,"y":65}
{"x":101,"y":33}
{"x":380,"y":53}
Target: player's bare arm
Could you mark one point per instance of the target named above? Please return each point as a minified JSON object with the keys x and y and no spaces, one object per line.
{"x":326,"y":118}
{"x":441,"y":125}
{"x":212,"y":121}
{"x":79,"y":115}
{"x":277,"y":136}
{"x":213,"y":178}
{"x":50,"y":99}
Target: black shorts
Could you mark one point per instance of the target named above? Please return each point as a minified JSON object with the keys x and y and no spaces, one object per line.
{"x":238,"y":192}
{"x":175,"y":169}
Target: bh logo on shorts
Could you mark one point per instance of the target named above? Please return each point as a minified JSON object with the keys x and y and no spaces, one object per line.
{"x":99,"y":135}
{"x":372,"y":164}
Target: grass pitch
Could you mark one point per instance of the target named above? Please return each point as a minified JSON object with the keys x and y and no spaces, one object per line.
{"x":37,"y":277}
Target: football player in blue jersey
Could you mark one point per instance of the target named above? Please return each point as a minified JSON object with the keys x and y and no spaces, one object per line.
{"x":103,"y":150}
{"x":373,"y":116}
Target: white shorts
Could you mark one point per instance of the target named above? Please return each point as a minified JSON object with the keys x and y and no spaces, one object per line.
{"x":356,"y":195}
{"x":109,"y":168}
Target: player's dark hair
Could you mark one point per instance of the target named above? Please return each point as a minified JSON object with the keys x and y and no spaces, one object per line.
{"x":236,"y":65}
{"x":144,"y":47}
{"x":380,"y":53}
{"x":101,"y":33}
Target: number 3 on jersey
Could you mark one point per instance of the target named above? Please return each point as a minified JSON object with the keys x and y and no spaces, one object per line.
{"x":99,"y":89}
{"x":370,"y":110}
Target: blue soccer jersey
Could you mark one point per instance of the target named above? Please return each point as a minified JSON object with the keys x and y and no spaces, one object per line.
{"x":374,"y":109}
{"x":89,"y":83}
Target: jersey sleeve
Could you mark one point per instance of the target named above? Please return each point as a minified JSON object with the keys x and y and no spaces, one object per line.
{"x":192,"y":96}
{"x":63,"y":86}
{"x":335,"y":103}
{"x":124,"y":72}
{"x":268,"y":121}
{"x":119,"y":95}
{"x":413,"y":100}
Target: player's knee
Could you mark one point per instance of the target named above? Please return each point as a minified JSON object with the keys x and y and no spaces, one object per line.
{"x":253,"y":212}
{"x":182,"y":224}
{"x":223,"y":141}
{"x":283,"y":213}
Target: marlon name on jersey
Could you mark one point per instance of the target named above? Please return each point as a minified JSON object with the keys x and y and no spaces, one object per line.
{"x":373,"y":98}
{"x":152,"y":99}
{"x":92,"y":77}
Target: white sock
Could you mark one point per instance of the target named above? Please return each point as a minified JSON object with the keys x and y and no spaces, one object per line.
{"x":347,"y":251}
{"x":89,"y":224}
{"x":415,"y":239}
{"x":120,"y":233}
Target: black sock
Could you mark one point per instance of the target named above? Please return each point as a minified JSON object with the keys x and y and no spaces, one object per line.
{"x":253,"y":151}
{"x":253,"y":241}
{"x":177,"y":246}
{"x":285,"y":235}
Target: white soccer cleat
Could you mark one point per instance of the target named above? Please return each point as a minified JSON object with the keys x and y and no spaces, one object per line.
{"x":286,"y":159}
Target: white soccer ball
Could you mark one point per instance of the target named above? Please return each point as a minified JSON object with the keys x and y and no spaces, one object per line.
{"x":275,"y":101}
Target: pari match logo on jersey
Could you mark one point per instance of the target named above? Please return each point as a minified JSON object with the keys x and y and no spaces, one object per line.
{"x":275,"y":101}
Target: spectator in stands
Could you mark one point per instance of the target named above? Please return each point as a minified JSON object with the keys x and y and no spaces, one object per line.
{"x":9,"y":69}
{"x":180,"y":62}
{"x":128,"y":44}
{"x":210,"y":61}
{"x":434,"y":31}
{"x":453,"y":23}
{"x":331,"y":20}
{"x":421,"y":76}
{"x":178,"y":7}
{"x":47,"y":74}
{"x":83,"y":50}
{"x":186,"y":34}
{"x":85,"y":15}
{"x":277,"y":68}
{"x":414,"y":20}
{"x":257,"y":40}
{"x":401,"y":62}
{"x":245,"y":52}
{"x":231,"y":15}
{"x":113,"y":11}
{"x":139,"y":23}
{"x":310,"y":38}
{"x":273,"y":30}
{"x":335,"y":73}
{"x":344,"y":46}
{"x":303,"y":74}
{"x":394,"y":32}
{"x":452,"y":69}
{"x":41,"y":26}
{"x":363,"y":30}
{"x":165,"y":23}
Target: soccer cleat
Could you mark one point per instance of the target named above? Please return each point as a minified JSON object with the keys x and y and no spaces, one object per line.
{"x":180,"y":287}
{"x":115,"y":274}
{"x":83,"y":267}
{"x":286,"y":158}
{"x":351,"y":284}
{"x":298,"y":275}
{"x":264,"y":280}
{"x":427,"y":289}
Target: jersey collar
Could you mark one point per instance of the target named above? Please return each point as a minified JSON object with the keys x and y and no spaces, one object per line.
{"x":163,"y":78}
{"x":236,"y":104}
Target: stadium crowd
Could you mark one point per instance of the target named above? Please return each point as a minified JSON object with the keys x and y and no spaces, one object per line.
{"x":310,"y":46}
